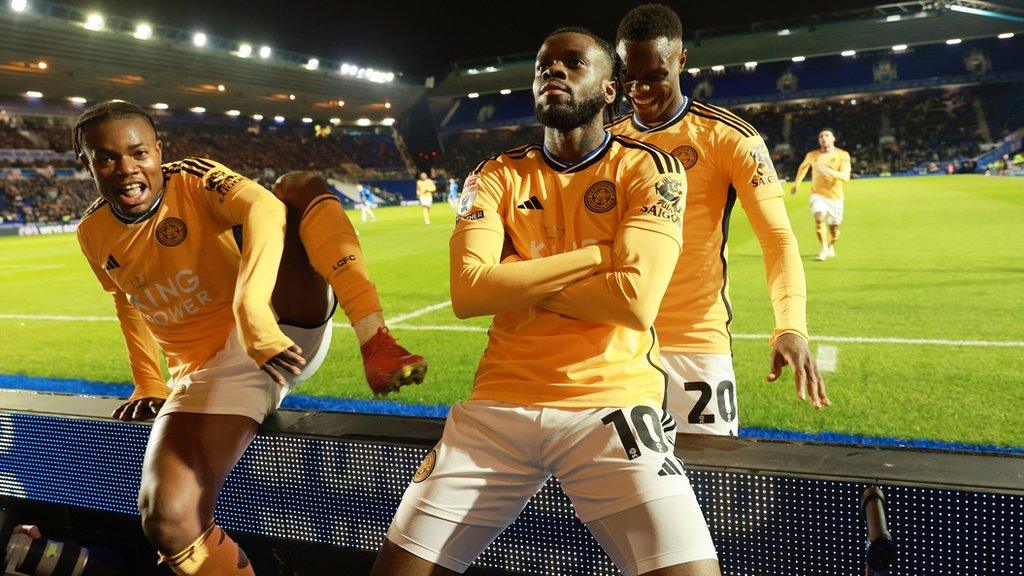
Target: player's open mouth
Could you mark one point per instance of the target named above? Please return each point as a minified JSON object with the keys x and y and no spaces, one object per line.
{"x":131,"y":194}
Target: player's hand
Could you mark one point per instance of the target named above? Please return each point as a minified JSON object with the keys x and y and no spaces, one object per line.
{"x":139,"y":409}
{"x":792,"y":349}
{"x":289,"y":361}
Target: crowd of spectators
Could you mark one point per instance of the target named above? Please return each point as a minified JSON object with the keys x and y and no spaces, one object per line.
{"x":44,"y":200}
{"x":885,"y":134}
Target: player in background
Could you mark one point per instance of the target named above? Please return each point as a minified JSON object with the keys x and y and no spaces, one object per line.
{"x":232,"y":283}
{"x":725,"y":160}
{"x":453,"y":193}
{"x":425,"y":189}
{"x":366,"y":204}
{"x":570,"y":245}
{"x":830,"y":168}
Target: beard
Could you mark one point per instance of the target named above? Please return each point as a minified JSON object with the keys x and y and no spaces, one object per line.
{"x":572,"y":114}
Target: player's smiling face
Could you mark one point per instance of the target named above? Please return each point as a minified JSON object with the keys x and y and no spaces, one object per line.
{"x":652,"y":77}
{"x":572,"y":81}
{"x":124,"y":157}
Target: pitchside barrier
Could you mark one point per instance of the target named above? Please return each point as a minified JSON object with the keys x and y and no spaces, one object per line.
{"x":316,"y":491}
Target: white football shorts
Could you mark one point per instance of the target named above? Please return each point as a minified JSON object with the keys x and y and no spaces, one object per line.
{"x":702,"y":393}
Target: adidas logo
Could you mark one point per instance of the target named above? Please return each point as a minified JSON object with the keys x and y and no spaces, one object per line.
{"x":532,"y":204}
{"x":111,"y":263}
{"x":671,"y":467}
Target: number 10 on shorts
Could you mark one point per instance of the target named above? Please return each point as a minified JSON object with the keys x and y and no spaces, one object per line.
{"x":648,"y":427}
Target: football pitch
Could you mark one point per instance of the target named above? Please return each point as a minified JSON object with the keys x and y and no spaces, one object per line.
{"x":918,"y":321}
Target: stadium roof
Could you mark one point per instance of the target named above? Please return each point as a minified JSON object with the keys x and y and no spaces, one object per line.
{"x":53,"y":50}
{"x":877,"y":28}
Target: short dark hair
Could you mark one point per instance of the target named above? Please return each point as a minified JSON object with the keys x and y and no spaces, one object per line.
{"x":827,"y":129}
{"x":649,"y":21}
{"x":100,"y":113}
{"x":603,"y":44}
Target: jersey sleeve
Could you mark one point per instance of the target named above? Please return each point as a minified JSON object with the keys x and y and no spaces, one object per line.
{"x":143,"y":352}
{"x":236,"y":200}
{"x":655,"y":191}
{"x":480,"y":204}
{"x":750,"y":168}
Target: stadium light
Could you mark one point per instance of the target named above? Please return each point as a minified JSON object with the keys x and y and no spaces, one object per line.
{"x":953,"y":41}
{"x":197,"y":110}
{"x":505,"y":92}
{"x":77,"y":100}
{"x":34,"y":94}
{"x":257,"y":117}
{"x":42,"y":65}
{"x":244,"y":50}
{"x":221,"y":87}
{"x":291,"y":96}
{"x":388,"y":122}
{"x":490,"y":69}
{"x":233,"y":113}
{"x":279,"y":119}
{"x":341,"y":103}
{"x":312,"y":64}
{"x":473,"y":94}
{"x":750,"y":65}
{"x":345,"y":68}
{"x":264,"y":52}
{"x":799,"y":58}
{"x":19,"y":5}
{"x":160,"y":106}
{"x":853,"y":101}
{"x":199,"y":39}
{"x":363,"y":122}
{"x":848,"y":53}
{"x":893,"y":18}
{"x":390,"y":76}
{"x":93,"y":21}
{"x":718,"y":68}
{"x":784,"y":32}
{"x":1005,"y":35}
{"x":693,"y":71}
{"x":307,"y":120}
{"x":335,"y":121}
{"x":387,"y":105}
{"x":472,"y":71}
{"x":143,"y":31}
{"x":899,"y":48}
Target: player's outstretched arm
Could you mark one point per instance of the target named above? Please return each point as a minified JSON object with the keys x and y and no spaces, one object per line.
{"x":482,"y":285}
{"x":240,"y":201}
{"x":144,"y":356}
{"x":801,"y":171}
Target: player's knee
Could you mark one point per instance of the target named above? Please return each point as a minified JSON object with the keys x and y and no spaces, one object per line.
{"x":298,"y":189}
{"x":170,"y":520}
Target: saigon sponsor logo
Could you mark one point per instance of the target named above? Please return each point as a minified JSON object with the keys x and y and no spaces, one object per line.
{"x":221,"y":182}
{"x":663,"y":210}
{"x":764,"y":171}
{"x":687,"y":155}
{"x":171,"y":231}
{"x":426,"y":467}
{"x":600,"y":197}
{"x":671,"y":188}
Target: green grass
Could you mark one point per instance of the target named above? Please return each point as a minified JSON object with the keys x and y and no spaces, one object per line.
{"x":921,"y":258}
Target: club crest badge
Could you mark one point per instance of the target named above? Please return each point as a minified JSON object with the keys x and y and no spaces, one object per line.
{"x":687,"y":155}
{"x":600,"y":197}
{"x":426,"y":467}
{"x":171,"y":231}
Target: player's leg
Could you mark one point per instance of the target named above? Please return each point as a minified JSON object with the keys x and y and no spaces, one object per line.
{"x":426,"y":214}
{"x":363,"y":210}
{"x":473,"y":484}
{"x":187,"y":460}
{"x":319,"y":228}
{"x":819,"y":210}
{"x":835,"y":218}
{"x":702,"y":393}
{"x":619,"y":469}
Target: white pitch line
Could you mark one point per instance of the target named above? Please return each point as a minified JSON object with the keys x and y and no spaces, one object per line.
{"x":826,"y":358}
{"x":839,"y":339}
{"x":415,"y":313}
